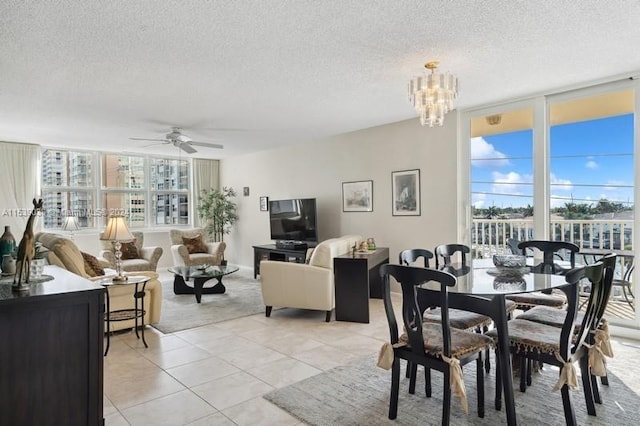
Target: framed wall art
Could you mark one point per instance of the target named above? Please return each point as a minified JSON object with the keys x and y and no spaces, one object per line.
{"x":264,"y":204}
{"x":357,"y":196}
{"x":405,"y":190}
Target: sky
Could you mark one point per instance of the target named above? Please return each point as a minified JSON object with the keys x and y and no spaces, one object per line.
{"x":590,"y":160}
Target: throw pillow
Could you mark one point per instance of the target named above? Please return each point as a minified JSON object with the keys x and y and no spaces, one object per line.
{"x":195,"y":244}
{"x":92,"y":265}
{"x":129,"y":250}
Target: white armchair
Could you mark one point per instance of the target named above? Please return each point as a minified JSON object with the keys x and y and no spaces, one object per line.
{"x":181,"y":256}
{"x":147,"y":260}
{"x":304,"y":286}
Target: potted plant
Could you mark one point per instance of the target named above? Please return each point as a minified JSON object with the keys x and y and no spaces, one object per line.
{"x":218,"y":211}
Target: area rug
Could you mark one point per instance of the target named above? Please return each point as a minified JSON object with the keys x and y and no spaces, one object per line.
{"x":180,"y":312}
{"x":358,"y":394}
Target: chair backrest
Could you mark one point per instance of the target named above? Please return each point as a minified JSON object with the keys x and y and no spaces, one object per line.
{"x":177,"y":234}
{"x":551,"y":249}
{"x":137,"y":235}
{"x":596,"y":274}
{"x":409,"y":256}
{"x":409,"y":277}
{"x":444,"y":252}
{"x":609,"y":262}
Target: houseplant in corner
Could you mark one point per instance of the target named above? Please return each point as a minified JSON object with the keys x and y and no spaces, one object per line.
{"x":217,"y":211}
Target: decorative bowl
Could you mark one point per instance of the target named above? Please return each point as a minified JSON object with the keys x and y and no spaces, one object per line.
{"x":509,"y":260}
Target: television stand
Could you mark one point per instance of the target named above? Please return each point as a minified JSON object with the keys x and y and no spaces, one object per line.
{"x":272,"y":252}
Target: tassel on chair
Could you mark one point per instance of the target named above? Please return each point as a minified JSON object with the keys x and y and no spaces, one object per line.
{"x":385,"y":356}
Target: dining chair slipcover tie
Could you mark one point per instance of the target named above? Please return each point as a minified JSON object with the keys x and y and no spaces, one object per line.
{"x":568,"y":375}
{"x":600,"y":349}
{"x":385,"y":361}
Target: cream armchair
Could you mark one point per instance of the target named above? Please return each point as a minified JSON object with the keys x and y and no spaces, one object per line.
{"x":64,"y":253}
{"x":148,"y":260}
{"x":181,"y":255}
{"x":304,"y":286}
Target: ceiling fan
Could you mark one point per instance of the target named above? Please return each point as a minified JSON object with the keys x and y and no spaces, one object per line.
{"x":176,"y":138}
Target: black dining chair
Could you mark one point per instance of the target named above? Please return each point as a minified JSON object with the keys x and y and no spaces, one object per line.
{"x":458,"y":318}
{"x":551,"y":251}
{"x":559,"y":346}
{"x":444,"y":253}
{"x":436,"y":346}
{"x":411,"y":256}
{"x":555,"y":317}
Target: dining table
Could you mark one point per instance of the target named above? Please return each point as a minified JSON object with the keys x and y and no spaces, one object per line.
{"x":482,"y":288}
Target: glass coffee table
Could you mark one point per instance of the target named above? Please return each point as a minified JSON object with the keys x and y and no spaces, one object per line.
{"x":200,"y":275}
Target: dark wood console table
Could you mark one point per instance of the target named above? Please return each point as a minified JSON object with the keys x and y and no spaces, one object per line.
{"x":51,"y":366}
{"x":271,"y":252}
{"x":357,"y":278}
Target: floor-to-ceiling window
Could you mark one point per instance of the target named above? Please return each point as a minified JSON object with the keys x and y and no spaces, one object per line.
{"x":564,"y":172}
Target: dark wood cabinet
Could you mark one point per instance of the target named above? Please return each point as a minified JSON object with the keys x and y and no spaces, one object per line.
{"x":357,"y":278}
{"x":51,"y":364}
{"x":271,"y":252}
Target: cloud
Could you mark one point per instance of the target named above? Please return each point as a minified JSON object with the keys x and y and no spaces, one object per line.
{"x":560,"y":184}
{"x":483,"y":154}
{"x":477,"y":200}
{"x":510,"y":183}
{"x":615,"y":185}
{"x":591,"y":165}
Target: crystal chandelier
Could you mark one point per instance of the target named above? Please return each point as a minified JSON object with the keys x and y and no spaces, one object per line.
{"x":432,"y":95}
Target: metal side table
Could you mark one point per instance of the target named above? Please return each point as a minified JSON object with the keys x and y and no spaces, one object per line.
{"x":136,"y":313}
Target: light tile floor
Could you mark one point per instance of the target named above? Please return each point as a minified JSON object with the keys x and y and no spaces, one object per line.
{"x":217,"y":374}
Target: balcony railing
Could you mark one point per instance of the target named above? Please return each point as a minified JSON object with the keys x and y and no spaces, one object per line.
{"x":489,"y":236}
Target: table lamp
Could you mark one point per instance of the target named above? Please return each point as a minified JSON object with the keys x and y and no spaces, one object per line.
{"x":70,"y":224}
{"x":117,"y":232}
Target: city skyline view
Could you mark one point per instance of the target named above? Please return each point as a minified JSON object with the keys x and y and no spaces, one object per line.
{"x":590,"y":161}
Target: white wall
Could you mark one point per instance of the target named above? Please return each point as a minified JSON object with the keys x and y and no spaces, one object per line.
{"x":317,"y":170}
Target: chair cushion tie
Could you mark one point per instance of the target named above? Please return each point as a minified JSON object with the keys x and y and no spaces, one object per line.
{"x":385,"y":356}
{"x":602,"y":337}
{"x":568,"y":374}
{"x":457,"y":383}
{"x":597,"y":362}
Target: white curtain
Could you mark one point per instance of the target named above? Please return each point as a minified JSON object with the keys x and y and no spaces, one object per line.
{"x":206,"y":175}
{"x":19,"y":185}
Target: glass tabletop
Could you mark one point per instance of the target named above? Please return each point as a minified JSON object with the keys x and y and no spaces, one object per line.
{"x":206,"y":271}
{"x":481,"y":277}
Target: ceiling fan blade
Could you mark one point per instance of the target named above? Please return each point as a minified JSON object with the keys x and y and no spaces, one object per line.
{"x":147,"y":139}
{"x":185,"y":147}
{"x":207,"y":144}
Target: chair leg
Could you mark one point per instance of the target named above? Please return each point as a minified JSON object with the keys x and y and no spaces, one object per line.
{"x":586,"y":386}
{"x":480,"y":385}
{"x":524,"y":363}
{"x":427,"y":382}
{"x":408,"y":373}
{"x":604,"y":380}
{"x":395,"y":385}
{"x":596,"y":391}
{"x":446,"y":398}
{"x":412,"y":378}
{"x":530,"y":365}
{"x":624,"y":292}
{"x":569,"y":414}
{"x":328,"y":317}
{"x":268,"y":311}
{"x":498,"y":398}
{"x":487,"y":361}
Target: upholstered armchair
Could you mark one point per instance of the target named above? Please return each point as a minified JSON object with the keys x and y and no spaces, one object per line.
{"x":189,"y":248}
{"x":135,"y":257}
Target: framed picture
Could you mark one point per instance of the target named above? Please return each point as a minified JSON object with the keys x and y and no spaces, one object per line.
{"x":357,"y":196}
{"x":405,"y":191}
{"x":264,"y":204}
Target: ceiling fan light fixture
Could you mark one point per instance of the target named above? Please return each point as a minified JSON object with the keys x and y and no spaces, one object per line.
{"x":432,"y":95}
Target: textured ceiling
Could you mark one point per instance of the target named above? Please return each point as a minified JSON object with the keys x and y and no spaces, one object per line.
{"x":94,"y":73}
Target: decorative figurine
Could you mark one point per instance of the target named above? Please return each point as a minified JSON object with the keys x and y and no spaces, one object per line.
{"x":26,"y":250}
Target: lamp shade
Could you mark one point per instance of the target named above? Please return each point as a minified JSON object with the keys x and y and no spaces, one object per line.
{"x":70,"y":224}
{"x":116,"y":230}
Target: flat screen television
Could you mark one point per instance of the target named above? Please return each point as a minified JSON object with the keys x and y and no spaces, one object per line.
{"x":293,"y":220}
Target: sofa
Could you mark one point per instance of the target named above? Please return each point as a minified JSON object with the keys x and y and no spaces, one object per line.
{"x":212,"y":254}
{"x":64,"y":253}
{"x":147,"y":260}
{"x":305,"y":286}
